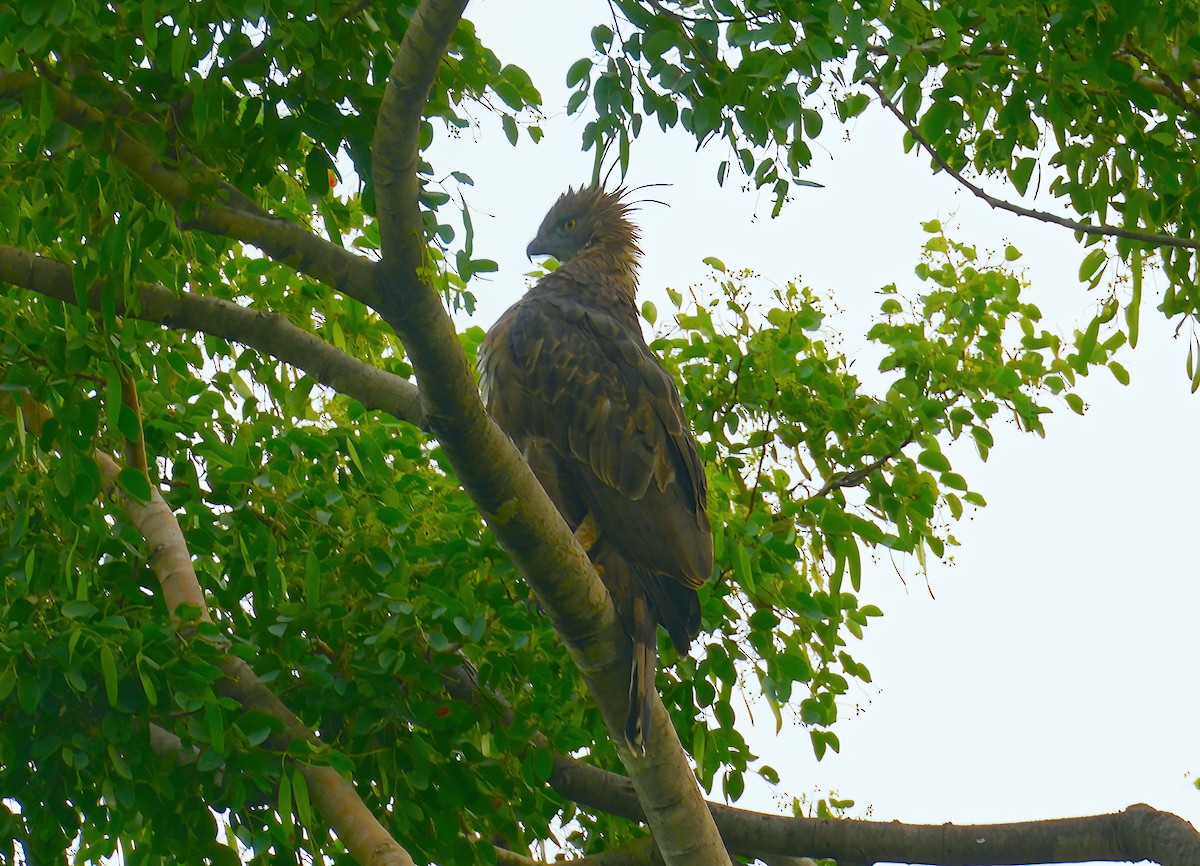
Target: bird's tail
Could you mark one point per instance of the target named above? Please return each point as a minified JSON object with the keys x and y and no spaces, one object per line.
{"x":641,"y":679}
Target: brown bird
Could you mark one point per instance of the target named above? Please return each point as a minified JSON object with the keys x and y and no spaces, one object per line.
{"x":567,"y":374}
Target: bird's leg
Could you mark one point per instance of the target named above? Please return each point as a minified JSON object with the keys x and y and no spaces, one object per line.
{"x":587,"y":533}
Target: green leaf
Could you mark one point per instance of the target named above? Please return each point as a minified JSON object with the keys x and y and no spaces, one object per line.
{"x":300,"y":795}
{"x":742,"y":570}
{"x":1134,"y":308}
{"x":8,"y":679}
{"x":147,"y":684}
{"x":135,"y":484}
{"x":935,"y":460}
{"x":285,"y":795}
{"x":108,"y":670}
{"x":579,"y":71}
{"x":510,"y":128}
{"x":1092,"y":266}
{"x":312,"y":578}
{"x":215,"y":726}
{"x":79,"y":609}
{"x":1020,"y":173}
{"x":1086,"y":345}
{"x":852,"y":106}
{"x":601,"y":36}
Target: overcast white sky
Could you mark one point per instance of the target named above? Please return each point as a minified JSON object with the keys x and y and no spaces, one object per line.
{"x":1055,"y":672}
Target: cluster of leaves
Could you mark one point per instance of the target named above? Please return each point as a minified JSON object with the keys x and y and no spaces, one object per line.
{"x":265,"y":100}
{"x":1095,"y":103}
{"x":340,"y":558}
{"x":811,"y":468}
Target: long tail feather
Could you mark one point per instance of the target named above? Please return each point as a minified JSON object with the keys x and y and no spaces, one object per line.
{"x":641,"y":679}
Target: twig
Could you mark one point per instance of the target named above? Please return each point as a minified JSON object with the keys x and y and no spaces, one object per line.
{"x":1095,"y":229}
{"x":1173,"y":89}
{"x":856,"y":476}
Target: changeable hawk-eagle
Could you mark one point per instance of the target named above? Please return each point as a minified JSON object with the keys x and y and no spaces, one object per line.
{"x":567,"y":374}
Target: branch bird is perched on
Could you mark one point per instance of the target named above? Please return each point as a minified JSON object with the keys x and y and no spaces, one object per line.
{"x":567,"y":374}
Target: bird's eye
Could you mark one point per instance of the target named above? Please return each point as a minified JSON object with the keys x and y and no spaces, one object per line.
{"x":569,"y":224}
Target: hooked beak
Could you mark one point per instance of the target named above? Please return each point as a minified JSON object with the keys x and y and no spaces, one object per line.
{"x":534,"y":249}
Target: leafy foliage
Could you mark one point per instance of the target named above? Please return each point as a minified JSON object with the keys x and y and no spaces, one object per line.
{"x":1092,"y":103}
{"x":345,"y":561}
{"x":336,"y":547}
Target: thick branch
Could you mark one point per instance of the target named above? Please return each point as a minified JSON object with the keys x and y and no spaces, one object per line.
{"x":395,"y":152}
{"x":493,"y":472}
{"x":335,"y":797}
{"x":1095,"y":229}
{"x":282,"y":240}
{"x":1138,"y":833}
{"x":268,"y":333}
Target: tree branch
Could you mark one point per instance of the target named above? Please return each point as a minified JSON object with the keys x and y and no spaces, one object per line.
{"x":1140,"y":832}
{"x":395,"y":149}
{"x":269,"y":333}
{"x":335,"y":797}
{"x":1173,"y":90}
{"x":1094,"y":229}
{"x":857,"y":476}
{"x":282,"y":240}
{"x":493,"y":472}
{"x":934,"y":47}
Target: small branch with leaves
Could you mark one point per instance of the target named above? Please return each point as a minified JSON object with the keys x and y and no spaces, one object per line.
{"x":1093,"y":229}
{"x":334,"y":796}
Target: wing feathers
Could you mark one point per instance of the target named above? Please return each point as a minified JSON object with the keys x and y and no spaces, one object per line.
{"x":576,"y":380}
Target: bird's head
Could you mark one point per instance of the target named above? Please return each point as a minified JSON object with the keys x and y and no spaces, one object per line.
{"x":588,"y":218}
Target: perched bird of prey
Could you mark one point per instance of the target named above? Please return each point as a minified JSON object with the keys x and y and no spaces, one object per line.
{"x":567,"y":374}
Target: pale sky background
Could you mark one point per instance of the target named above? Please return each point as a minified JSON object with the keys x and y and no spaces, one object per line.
{"x":1055,"y":673}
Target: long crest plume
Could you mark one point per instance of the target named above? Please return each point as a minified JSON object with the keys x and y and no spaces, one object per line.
{"x":613,"y":210}
{"x":610,"y":215}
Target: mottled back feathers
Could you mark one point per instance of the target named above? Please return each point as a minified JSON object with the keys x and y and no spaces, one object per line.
{"x":567,"y":374}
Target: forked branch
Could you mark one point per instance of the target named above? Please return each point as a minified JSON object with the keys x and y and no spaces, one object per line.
{"x":271,"y":334}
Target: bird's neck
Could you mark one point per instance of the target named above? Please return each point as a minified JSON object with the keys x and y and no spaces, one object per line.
{"x":608,"y":274}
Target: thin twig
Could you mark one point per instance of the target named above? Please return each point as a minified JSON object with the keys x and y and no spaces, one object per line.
{"x":1095,"y":229}
{"x":856,"y":476}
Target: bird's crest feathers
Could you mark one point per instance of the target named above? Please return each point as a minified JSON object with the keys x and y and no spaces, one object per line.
{"x":586,"y":219}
